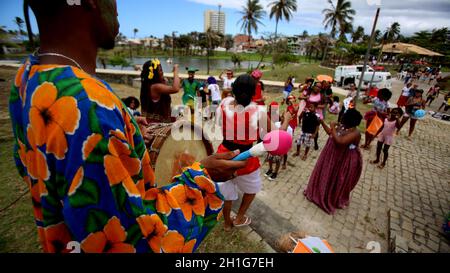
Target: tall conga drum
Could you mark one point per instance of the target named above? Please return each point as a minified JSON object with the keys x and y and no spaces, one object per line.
{"x":174,"y":146}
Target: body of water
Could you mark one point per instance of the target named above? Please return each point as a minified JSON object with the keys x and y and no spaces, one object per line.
{"x":183,"y":62}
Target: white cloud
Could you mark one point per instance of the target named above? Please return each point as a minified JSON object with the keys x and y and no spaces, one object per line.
{"x":413,"y":15}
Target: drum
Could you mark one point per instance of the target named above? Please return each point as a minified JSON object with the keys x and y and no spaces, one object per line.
{"x":174,"y":146}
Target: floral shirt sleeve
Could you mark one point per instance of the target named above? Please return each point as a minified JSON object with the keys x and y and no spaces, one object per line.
{"x":85,"y":161}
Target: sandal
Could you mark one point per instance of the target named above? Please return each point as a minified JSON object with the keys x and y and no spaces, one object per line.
{"x":247,"y":222}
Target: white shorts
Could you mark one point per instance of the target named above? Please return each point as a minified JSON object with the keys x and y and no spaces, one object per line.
{"x":286,"y":94}
{"x":290,"y":131}
{"x":249,"y":184}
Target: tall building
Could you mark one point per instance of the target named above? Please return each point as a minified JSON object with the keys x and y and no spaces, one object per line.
{"x":215,"y":21}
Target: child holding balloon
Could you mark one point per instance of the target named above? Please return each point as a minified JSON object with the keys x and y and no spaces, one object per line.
{"x":413,"y":105}
{"x":386,"y":136}
{"x":284,"y":125}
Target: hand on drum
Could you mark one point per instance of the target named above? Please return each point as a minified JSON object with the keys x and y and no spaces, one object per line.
{"x":143,"y":126}
{"x":221,"y":168}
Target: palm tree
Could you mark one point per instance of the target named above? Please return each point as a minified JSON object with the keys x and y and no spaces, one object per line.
{"x":120,"y":38}
{"x":305,"y":34}
{"x":378,"y":35}
{"x":228,"y":42}
{"x":252,"y":14}
{"x":210,"y":40}
{"x":393,"y":32}
{"x":340,"y":15}
{"x":357,"y":34}
{"x":282,"y":9}
{"x":135,"y":31}
{"x":19,"y":22}
{"x":346,"y":29}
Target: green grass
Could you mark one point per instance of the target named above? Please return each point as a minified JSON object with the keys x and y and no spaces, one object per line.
{"x":445,"y":69}
{"x":15,"y":55}
{"x":220,"y":241}
{"x":300,"y":71}
{"x":18,"y":233}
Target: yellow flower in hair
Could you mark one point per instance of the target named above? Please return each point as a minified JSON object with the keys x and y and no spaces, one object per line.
{"x":150,"y":73}
{"x":154,"y":65}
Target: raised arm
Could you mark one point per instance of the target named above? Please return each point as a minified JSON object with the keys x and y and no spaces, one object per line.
{"x":221,"y":76}
{"x":160,"y":88}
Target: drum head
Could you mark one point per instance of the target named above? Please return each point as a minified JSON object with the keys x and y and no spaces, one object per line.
{"x":175,"y":155}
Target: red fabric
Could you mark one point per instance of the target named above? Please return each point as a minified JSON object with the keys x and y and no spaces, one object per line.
{"x":402,"y":101}
{"x":258,"y":94}
{"x":233,"y":135}
{"x":252,"y":163}
{"x":373,"y":92}
{"x":294,"y":122}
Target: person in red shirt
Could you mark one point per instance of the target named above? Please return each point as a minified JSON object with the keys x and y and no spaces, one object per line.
{"x":292,"y":109}
{"x":373,"y":91}
{"x":241,"y":121}
{"x":258,"y":98}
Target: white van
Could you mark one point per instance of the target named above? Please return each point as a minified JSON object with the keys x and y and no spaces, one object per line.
{"x":380,"y":80}
{"x":345,"y":75}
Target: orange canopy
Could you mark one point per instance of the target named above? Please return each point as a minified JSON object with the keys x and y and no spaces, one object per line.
{"x":327,"y":78}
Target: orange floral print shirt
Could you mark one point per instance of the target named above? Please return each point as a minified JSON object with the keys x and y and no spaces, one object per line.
{"x":84,"y":159}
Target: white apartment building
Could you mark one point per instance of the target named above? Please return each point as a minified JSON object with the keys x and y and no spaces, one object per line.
{"x":215,"y":21}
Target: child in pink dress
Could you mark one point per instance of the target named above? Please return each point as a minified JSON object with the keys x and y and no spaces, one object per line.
{"x":386,"y":136}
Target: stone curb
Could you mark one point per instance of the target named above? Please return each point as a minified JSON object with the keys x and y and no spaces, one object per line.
{"x":253,"y":235}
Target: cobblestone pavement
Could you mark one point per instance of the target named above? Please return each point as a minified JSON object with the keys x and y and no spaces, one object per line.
{"x":401,"y":207}
{"x":406,"y":202}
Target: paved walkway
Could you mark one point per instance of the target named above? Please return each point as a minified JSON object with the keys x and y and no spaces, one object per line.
{"x":401,"y":207}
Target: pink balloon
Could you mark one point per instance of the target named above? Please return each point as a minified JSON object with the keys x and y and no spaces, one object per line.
{"x":278,"y":142}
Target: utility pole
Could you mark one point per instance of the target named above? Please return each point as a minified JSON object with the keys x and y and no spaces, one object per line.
{"x":173,"y":43}
{"x":378,"y":61}
{"x":366,"y":59}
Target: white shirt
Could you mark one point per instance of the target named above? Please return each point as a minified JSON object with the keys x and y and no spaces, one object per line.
{"x":214,"y":90}
{"x":405,"y":91}
{"x":347,"y":102}
{"x":228,"y":83}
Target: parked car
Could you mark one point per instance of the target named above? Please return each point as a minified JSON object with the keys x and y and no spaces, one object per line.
{"x":345,"y":75}
{"x":380,"y":80}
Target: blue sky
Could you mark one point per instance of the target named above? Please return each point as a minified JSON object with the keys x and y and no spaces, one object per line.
{"x":159,"y":17}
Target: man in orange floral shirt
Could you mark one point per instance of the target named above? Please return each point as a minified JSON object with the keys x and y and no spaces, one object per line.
{"x":83,"y":155}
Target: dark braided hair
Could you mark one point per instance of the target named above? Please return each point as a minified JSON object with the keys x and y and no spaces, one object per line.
{"x":150,"y":75}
